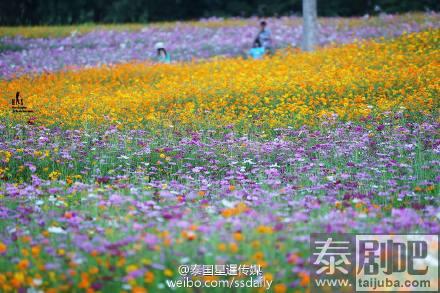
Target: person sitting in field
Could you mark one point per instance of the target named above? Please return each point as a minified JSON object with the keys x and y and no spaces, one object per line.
{"x":264,"y":37}
{"x":162,"y":54}
{"x":257,"y":51}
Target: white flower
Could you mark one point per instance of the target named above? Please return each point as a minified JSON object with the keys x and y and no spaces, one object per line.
{"x":37,"y":282}
{"x":78,"y":261}
{"x":185,"y":260}
{"x":228,"y":204}
{"x":197,"y":169}
{"x":210,"y":210}
{"x":126,"y":287}
{"x":56,"y":230}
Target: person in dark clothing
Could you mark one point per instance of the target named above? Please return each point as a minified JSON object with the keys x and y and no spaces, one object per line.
{"x":264,"y":37}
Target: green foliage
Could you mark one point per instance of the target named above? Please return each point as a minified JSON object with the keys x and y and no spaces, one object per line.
{"x":33,"y":12}
{"x":9,"y":47}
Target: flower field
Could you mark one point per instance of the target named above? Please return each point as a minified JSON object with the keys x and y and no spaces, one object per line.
{"x":43,"y":49}
{"x":124,"y":172}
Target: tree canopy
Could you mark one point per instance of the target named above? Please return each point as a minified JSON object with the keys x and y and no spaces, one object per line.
{"x":32,"y":12}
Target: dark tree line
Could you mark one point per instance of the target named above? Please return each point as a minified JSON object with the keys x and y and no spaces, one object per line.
{"x":27,"y":12}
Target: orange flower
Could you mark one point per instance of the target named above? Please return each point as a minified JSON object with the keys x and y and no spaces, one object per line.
{"x":149,"y":277}
{"x":139,"y":290}
{"x":23,"y":264}
{"x":238,"y":236}
{"x":210,"y":278}
{"x":35,"y":250}
{"x":221,"y":247}
{"x":85,"y":283}
{"x":190,"y":235}
{"x":236,"y":210}
{"x":18,"y":280}
{"x":259,"y":255}
{"x":93,"y":270}
{"x":233,"y":247}
{"x":26,"y":239}
{"x":3,"y":247}
{"x":280,"y":288}
{"x":304,"y":279}
{"x":227,"y":213}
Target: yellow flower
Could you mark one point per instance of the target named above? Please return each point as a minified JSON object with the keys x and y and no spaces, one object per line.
{"x":273,"y":94}
{"x":338,"y":205}
{"x":131,"y":268}
{"x":268,"y":276}
{"x":18,"y":280}
{"x":54,"y":175}
{"x":264,"y":229}
{"x":221,"y":247}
